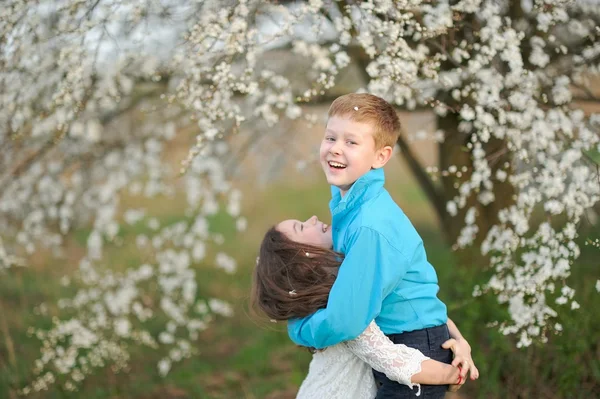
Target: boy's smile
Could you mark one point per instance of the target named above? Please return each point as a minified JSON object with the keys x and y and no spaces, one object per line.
{"x":348,"y":152}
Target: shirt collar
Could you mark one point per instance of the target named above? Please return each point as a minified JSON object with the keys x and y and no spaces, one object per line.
{"x":362,"y":190}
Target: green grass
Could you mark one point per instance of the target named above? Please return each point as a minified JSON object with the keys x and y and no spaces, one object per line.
{"x":247,"y":357}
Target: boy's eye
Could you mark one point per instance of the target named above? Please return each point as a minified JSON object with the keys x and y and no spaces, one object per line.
{"x":329,"y":139}
{"x":351,"y":142}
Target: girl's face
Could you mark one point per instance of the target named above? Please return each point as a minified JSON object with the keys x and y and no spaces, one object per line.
{"x":311,"y":232}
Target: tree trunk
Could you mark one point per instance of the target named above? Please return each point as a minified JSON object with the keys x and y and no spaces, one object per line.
{"x":453,"y":151}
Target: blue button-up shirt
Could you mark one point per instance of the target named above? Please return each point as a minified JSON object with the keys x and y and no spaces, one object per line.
{"x":384,"y":276}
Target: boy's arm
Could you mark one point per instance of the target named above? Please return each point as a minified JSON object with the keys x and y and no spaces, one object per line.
{"x":370,"y":270}
{"x":463,"y":349}
{"x":453,"y":330}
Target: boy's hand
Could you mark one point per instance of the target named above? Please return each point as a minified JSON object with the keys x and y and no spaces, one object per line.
{"x":462,"y":357}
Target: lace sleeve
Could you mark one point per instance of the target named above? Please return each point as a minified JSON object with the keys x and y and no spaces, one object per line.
{"x":397,"y":362}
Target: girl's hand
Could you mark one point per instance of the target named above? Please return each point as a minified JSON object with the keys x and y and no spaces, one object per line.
{"x":455,"y":387}
{"x":461,"y":381}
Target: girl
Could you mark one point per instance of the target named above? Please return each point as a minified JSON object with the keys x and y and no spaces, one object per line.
{"x":294,"y":273}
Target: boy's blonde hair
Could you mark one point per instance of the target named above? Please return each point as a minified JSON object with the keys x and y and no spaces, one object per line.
{"x":367,"y":108}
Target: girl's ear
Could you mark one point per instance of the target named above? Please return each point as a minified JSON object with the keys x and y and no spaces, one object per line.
{"x":382,"y":156}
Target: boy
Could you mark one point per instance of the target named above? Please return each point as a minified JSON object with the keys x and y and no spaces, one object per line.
{"x":385,"y":274}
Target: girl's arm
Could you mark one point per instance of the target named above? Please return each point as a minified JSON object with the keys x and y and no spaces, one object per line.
{"x":400,"y":363}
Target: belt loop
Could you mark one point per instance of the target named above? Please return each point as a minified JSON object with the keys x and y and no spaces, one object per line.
{"x":428,"y":338}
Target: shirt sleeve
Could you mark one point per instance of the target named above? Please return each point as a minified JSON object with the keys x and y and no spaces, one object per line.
{"x":371,"y":269}
{"x":398,"y":362}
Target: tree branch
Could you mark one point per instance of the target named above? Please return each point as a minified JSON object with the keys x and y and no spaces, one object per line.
{"x":26,"y":164}
{"x":590,"y":95}
{"x":431,"y":191}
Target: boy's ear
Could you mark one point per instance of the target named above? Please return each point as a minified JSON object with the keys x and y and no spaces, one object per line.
{"x":382,"y":156}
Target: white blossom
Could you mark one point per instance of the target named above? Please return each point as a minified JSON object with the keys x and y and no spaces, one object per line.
{"x":220,"y":307}
{"x":225,"y":262}
{"x":163,"y":367}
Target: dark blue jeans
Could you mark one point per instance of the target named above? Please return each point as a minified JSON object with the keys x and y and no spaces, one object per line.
{"x":429,"y":341}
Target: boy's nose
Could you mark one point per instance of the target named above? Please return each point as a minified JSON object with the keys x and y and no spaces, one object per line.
{"x":336,"y":148}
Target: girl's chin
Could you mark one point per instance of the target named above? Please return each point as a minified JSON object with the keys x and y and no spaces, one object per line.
{"x":326,"y":246}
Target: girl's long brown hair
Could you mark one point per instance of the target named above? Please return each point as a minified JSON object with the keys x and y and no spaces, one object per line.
{"x":287,"y":283}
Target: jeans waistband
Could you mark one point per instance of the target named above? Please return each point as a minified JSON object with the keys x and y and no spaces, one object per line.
{"x":425,"y":332}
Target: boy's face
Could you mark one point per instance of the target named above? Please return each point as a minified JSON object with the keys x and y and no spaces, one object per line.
{"x":348,"y":152}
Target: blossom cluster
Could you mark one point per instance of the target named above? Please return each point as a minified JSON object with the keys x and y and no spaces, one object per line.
{"x":512,"y":81}
{"x":525,"y":100}
{"x":85,"y":136}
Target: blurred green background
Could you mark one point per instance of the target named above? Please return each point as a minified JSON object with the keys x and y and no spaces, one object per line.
{"x":248,"y":357}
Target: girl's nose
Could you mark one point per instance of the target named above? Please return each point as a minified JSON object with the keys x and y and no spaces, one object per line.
{"x":313,"y":219}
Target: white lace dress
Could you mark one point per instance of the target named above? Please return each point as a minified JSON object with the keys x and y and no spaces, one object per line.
{"x":344,"y":370}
